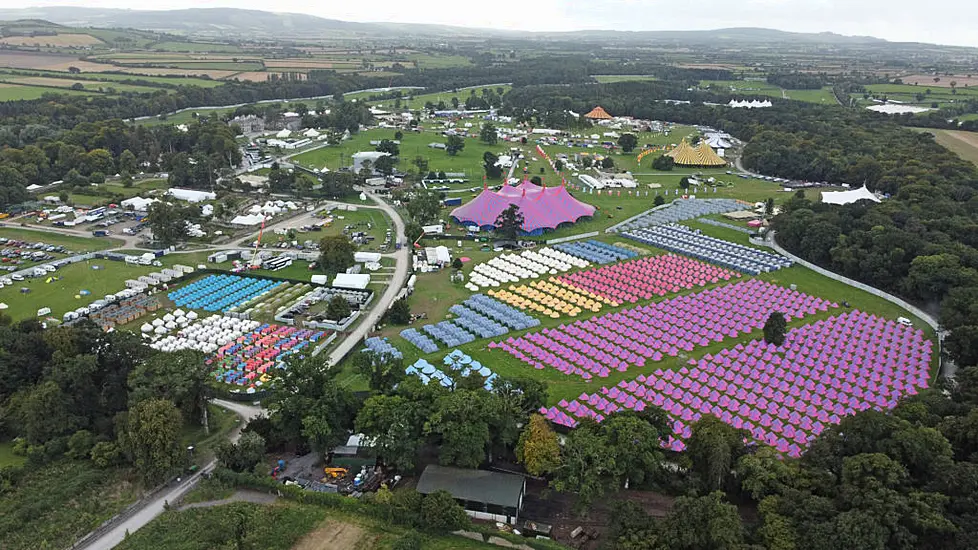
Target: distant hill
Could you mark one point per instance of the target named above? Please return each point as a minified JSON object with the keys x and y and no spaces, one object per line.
{"x":235,"y":23}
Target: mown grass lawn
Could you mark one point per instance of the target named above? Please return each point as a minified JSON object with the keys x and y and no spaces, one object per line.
{"x":70,"y":242}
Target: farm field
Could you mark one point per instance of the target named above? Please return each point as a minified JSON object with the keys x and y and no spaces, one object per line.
{"x":59,"y":40}
{"x":16,"y":92}
{"x":88,"y":85}
{"x":747,"y":87}
{"x":965,"y":144}
{"x":823,"y":96}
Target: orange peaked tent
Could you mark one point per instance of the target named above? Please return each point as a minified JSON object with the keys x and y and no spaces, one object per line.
{"x":598,"y":113}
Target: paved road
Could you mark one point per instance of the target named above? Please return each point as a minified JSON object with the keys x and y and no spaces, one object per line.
{"x":153,"y":508}
{"x":398,"y":280}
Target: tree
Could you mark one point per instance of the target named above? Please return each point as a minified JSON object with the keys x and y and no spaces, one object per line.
{"x":41,"y":413}
{"x":459,"y":420}
{"x":510,"y":222}
{"x":538,"y":450}
{"x":441,"y":514}
{"x":307,"y":407}
{"x":769,"y":207}
{"x":684,"y":183}
{"x":764,"y":473}
{"x":635,"y":444}
{"x":488,"y":134}
{"x":454,"y":145}
{"x":398,"y":135}
{"x":702,"y":522}
{"x":628,"y":142}
{"x":607,"y":163}
{"x":491,"y":164}
{"x":244,"y":455}
{"x":421,"y":163}
{"x":80,"y":444}
{"x":389,"y":147}
{"x":775,"y":328}
{"x":396,"y":427}
{"x":151,"y":436}
{"x":586,"y":465}
{"x":105,"y":454}
{"x":382,"y":371}
{"x":168,"y":222}
{"x":713,"y":448}
{"x":180,"y":376}
{"x":663,"y":163}
{"x":962,"y":345}
{"x":658,"y":201}
{"x":336,"y":254}
{"x":127,"y":162}
{"x":457,"y":264}
{"x":385,"y":165}
{"x":338,"y":308}
{"x":400,"y":312}
{"x":424,"y":207}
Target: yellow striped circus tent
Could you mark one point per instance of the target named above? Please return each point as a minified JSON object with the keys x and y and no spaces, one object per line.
{"x":701,"y":155}
{"x":684,"y":154}
{"x":707,"y":156}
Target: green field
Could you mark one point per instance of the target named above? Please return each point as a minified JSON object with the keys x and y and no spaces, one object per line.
{"x":194,"y":47}
{"x":58,"y":84}
{"x":71,"y":242}
{"x":58,"y":503}
{"x":606,"y":78}
{"x":823,"y":96}
{"x":118,"y":77}
{"x":7,"y":456}
{"x":60,"y":295}
{"x":15,"y":92}
{"x":745,"y":87}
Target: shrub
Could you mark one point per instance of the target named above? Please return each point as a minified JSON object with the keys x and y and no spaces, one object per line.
{"x":440,"y":513}
{"x":80,"y":444}
{"x":105,"y":454}
{"x":410,"y":541}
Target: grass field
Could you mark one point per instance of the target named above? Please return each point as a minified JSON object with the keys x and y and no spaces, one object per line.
{"x":606,"y":78}
{"x":58,"y":503}
{"x":114,"y":77}
{"x":823,"y":96}
{"x":58,"y":40}
{"x":59,"y":295}
{"x":15,"y":92}
{"x":746,"y":87}
{"x":278,"y":526}
{"x":965,"y":144}
{"x":88,"y":85}
{"x":195,"y":47}
{"x":7,"y":456}
{"x":71,"y":242}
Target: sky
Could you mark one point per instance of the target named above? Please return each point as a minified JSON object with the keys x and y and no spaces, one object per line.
{"x":949,"y":22}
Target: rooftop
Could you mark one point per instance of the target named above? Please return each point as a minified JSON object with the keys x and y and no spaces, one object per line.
{"x":474,"y":485}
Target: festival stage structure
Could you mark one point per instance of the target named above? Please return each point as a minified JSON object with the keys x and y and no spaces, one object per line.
{"x":701,"y":155}
{"x":542,"y":207}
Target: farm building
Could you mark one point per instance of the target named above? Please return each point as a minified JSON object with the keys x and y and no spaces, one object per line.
{"x":484,"y":495}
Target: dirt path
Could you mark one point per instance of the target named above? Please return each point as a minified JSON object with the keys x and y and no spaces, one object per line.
{"x":333,"y":535}
{"x":238,"y":496}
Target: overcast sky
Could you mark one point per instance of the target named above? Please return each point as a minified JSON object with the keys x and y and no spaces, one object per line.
{"x":947,"y":22}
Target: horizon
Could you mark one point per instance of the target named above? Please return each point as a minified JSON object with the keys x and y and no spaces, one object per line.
{"x":894,"y":21}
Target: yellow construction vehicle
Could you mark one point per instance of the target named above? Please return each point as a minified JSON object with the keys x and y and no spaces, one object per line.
{"x":335,"y":473}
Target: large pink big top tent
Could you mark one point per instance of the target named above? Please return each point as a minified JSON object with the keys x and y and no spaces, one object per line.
{"x":542,"y":207}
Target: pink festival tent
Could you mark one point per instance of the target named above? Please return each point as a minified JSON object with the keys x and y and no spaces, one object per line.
{"x":542,"y":207}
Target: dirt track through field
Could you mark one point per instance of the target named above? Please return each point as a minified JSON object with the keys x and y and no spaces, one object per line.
{"x":332,"y":535}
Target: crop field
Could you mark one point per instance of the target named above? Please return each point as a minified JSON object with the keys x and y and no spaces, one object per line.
{"x":21,"y":60}
{"x":195,"y":47}
{"x":943,"y":82}
{"x":59,"y":40}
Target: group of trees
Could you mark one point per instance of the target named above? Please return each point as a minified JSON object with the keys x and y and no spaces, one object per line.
{"x":106,"y":397}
